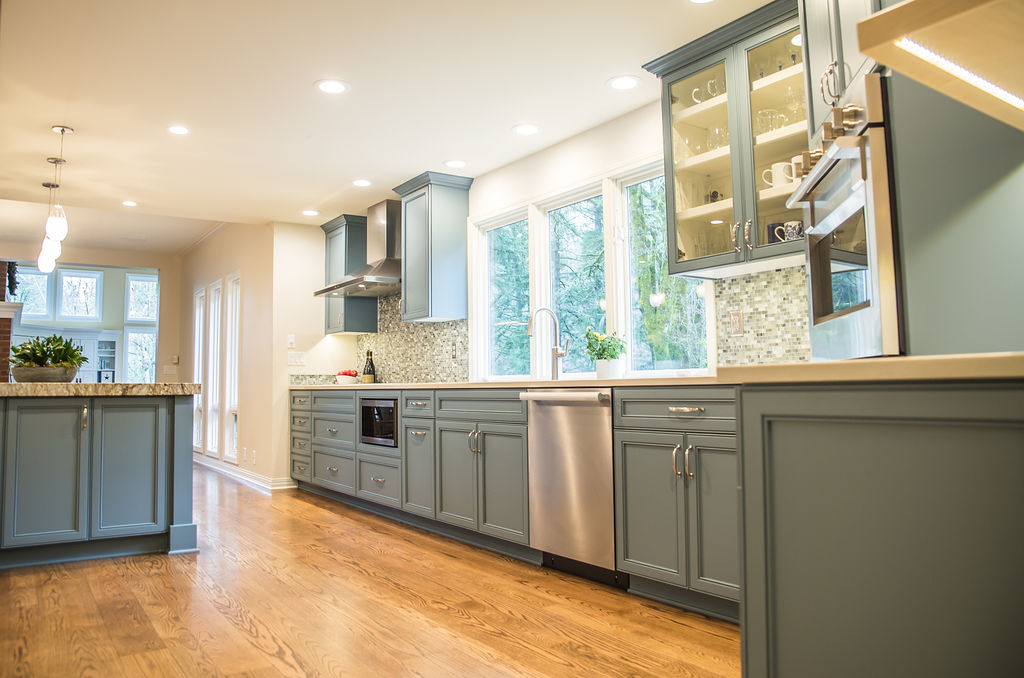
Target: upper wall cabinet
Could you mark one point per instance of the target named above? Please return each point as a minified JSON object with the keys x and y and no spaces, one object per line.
{"x":345,"y":252}
{"x":735,"y":117}
{"x":435,"y":207}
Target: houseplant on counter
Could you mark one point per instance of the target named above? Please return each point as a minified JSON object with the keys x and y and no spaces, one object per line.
{"x":51,"y":359}
{"x":607,"y":351}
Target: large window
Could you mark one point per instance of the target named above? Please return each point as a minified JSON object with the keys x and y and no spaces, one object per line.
{"x":80,"y":295}
{"x":216,"y":351}
{"x":666,"y":313}
{"x":198,"y":358}
{"x":211,"y":384}
{"x":232,"y":316}
{"x":34,"y":292}
{"x":141,"y":298}
{"x":140,"y":354}
{"x":508,"y":299}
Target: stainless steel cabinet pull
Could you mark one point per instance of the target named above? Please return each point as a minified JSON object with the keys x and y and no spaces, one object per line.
{"x":675,"y":451}
{"x":686,"y":461}
{"x":379,"y":481}
{"x":418,"y":433}
{"x":685,"y":410}
{"x":300,"y":400}
{"x":476,"y":441}
{"x":735,"y":236}
{"x":85,"y":417}
{"x":300,"y":443}
{"x":469,"y":440}
{"x":417,"y":403}
{"x":300,"y":421}
{"x":300,"y":468}
{"x":332,"y":469}
{"x":332,"y":430}
{"x":746,"y":234}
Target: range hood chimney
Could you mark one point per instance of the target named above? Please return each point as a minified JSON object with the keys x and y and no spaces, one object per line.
{"x":382,"y":275}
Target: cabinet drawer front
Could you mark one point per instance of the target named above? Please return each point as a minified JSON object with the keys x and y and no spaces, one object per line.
{"x":418,"y":466}
{"x":333,"y":401}
{"x":301,"y":444}
{"x":302,"y":469}
{"x":301,"y":422}
{"x":710,"y":409}
{"x":417,"y":404}
{"x":300,"y":400}
{"x":336,"y":431}
{"x":335,"y":471}
{"x":481,"y":405}
{"x":380,"y":479}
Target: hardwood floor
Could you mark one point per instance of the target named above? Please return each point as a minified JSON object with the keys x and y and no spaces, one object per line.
{"x":296,"y":585}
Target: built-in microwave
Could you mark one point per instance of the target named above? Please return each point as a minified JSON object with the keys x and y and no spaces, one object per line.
{"x":378,"y":419}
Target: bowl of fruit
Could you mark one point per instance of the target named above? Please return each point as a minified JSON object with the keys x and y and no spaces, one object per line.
{"x":347,"y":377}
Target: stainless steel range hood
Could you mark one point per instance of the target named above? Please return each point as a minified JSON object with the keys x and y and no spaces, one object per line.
{"x":382,"y":275}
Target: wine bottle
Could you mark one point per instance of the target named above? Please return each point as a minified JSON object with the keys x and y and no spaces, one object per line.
{"x":369,"y":372}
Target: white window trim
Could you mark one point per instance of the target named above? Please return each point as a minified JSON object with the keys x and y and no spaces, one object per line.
{"x":142,"y":277}
{"x":199,"y":367}
{"x":50,"y":279}
{"x":139,"y":329}
{"x":59,"y":294}
{"x":617,"y":288}
{"x":214,"y":365}
{"x":231,"y":365}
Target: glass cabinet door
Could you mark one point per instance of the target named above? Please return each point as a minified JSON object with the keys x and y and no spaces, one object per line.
{"x":778,"y":120}
{"x":702,"y":173}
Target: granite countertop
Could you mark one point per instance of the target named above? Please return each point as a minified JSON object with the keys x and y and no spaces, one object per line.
{"x":49,"y":389}
{"x":893,"y":368}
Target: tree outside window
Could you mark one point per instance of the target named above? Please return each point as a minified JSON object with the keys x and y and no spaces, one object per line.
{"x":80,"y":294}
{"x":142,"y":298}
{"x":33,"y":292}
{"x":508,"y":299}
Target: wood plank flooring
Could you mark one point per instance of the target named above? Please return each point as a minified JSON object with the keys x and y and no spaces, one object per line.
{"x":296,"y":585}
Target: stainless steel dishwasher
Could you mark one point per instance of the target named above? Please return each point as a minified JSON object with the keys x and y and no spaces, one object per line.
{"x":572,"y":506}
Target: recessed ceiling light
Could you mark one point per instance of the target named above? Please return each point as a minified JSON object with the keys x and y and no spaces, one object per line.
{"x":362,"y":183}
{"x":331,"y":86}
{"x":700,"y":2}
{"x":525,"y":129}
{"x":129,"y":203}
{"x":717,"y":221}
{"x":455,"y":164}
{"x":623,"y":82}
{"x":177,"y":129}
{"x":310,"y":213}
{"x":798,"y":39}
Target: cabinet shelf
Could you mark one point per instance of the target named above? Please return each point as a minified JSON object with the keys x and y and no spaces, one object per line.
{"x":704,"y":114}
{"x":715,"y":161}
{"x":782,"y":143}
{"x":718,"y":208}
{"x":770,"y":91}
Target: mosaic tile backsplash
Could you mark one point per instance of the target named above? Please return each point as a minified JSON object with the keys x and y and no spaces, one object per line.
{"x":773,"y":305}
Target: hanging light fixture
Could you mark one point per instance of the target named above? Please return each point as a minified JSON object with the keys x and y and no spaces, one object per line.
{"x":56,"y":219}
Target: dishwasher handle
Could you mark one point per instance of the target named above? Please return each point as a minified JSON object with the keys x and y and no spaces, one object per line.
{"x":564,"y":396}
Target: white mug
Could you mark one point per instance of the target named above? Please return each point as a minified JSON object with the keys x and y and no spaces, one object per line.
{"x":798,"y":167}
{"x":781,"y":173}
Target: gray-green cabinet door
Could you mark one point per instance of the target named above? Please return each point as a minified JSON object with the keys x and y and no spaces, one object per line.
{"x":455,"y":469}
{"x":416,"y":254}
{"x":650,"y":505}
{"x":418,"y":466}
{"x":713,"y":515}
{"x":503,"y":493}
{"x":848,"y":14}
{"x":46,"y":471}
{"x":819,"y":52}
{"x":129,"y":466}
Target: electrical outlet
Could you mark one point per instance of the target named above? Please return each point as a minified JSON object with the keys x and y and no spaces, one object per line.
{"x":735,"y":323}
{"x":245,"y":455}
{"x":291,"y":341}
{"x":454,"y":350}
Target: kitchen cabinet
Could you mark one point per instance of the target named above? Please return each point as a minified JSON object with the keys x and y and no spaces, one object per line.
{"x":829,"y":30}
{"x":734,"y":116}
{"x":379,"y":479}
{"x":418,"y":466}
{"x":300,"y":422}
{"x":676,"y":499}
{"x":345,"y":252}
{"x":435,"y":207}
{"x":885,"y":517}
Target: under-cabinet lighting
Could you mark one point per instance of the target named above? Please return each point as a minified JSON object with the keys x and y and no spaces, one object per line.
{"x":958,"y":71}
{"x":716,"y":222}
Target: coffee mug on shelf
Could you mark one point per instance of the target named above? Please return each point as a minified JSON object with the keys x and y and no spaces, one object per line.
{"x":779,"y":174}
{"x":790,"y":230}
{"x":776,"y":232}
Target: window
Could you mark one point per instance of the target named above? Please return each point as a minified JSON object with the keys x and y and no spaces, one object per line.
{"x":79,"y":294}
{"x":34,"y":292}
{"x":232,"y":310}
{"x":140,"y":354}
{"x":577,"y":275}
{"x":141,"y":298}
{"x":198,"y":334}
{"x":666,"y":313}
{"x":508,"y":299}
{"x":211,"y":385}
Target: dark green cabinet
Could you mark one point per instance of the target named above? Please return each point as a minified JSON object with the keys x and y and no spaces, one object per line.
{"x":418,"y":465}
{"x":435,"y":207}
{"x":883,"y":530}
{"x":345,"y":252}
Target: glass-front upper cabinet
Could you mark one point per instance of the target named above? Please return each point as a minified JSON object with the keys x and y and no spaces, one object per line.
{"x":735,"y":121}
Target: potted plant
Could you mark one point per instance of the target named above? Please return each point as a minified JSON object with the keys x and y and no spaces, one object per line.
{"x":51,"y":359}
{"x":607,"y":351}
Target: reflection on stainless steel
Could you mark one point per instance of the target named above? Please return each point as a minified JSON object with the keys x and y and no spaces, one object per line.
{"x":570,"y":459}
{"x":556,"y":353}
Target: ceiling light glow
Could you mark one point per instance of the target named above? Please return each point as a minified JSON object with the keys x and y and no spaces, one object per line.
{"x":178,"y":129}
{"x":331,"y":86}
{"x":310,"y":213}
{"x":129,"y":203}
{"x":455,"y":164}
{"x":362,"y":183}
{"x":958,"y":71}
{"x":700,"y":2}
{"x":623,"y":82}
{"x":526,"y":129}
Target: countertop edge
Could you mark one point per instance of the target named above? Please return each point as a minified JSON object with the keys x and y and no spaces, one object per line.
{"x":118,"y":390}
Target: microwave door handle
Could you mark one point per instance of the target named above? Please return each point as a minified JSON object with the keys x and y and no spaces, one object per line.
{"x":843,"y":148}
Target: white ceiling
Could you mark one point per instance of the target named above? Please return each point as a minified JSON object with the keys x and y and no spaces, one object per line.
{"x":431,"y":81}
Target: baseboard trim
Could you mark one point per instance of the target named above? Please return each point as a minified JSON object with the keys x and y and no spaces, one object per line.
{"x":254,"y":480}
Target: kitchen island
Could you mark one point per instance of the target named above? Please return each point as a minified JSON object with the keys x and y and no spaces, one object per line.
{"x":94,"y":470}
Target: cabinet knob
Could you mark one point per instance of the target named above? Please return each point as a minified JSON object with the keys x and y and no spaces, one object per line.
{"x":332,"y":469}
{"x":379,"y":481}
{"x":332,"y":430}
{"x":300,"y":421}
{"x":301,"y":443}
{"x":300,"y":400}
{"x":300,"y":468}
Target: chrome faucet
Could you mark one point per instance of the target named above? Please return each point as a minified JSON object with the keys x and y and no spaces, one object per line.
{"x":556,"y":353}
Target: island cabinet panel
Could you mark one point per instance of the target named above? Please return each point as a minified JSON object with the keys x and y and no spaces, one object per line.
{"x":129,"y":466}
{"x":46,"y":471}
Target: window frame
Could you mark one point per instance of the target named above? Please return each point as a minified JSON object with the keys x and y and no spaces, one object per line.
{"x":140,"y":329}
{"x":48,"y":314}
{"x":198,"y":368}
{"x":59,"y":294}
{"x":141,"y":277}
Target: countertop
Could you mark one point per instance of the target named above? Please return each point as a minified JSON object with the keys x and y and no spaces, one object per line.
{"x":49,"y":389}
{"x":895,"y":368}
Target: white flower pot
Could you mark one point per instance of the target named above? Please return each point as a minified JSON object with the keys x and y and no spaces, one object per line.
{"x":611,"y":369}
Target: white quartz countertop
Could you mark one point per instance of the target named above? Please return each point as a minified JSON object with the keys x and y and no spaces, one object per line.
{"x":894,"y":368}
{"x":49,"y":389}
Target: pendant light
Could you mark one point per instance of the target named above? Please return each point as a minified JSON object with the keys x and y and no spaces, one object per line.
{"x":56,"y":219}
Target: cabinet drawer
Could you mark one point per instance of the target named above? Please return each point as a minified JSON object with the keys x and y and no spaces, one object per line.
{"x":300,"y":400}
{"x":334,"y":470}
{"x":301,"y":444}
{"x":301,"y":422}
{"x":380,"y":479}
{"x":301,"y":468}
{"x":711,"y":409}
{"x":334,"y":430}
{"x":480,"y":405}
{"x":417,"y":404}
{"x":333,"y":401}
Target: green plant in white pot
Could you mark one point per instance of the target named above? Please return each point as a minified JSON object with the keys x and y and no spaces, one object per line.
{"x":52,"y":358}
{"x":607,"y":351}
